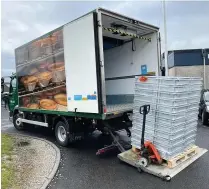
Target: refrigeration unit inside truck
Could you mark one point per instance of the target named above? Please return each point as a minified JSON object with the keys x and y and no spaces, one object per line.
{"x":84,"y":69}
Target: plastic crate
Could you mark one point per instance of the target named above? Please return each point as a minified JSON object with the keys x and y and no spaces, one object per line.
{"x":136,"y":134}
{"x":194,"y":99}
{"x":136,"y":141}
{"x":172,"y":123}
{"x":193,"y":121}
{"x":171,"y":80}
{"x":162,"y":125}
{"x":169,"y":148}
{"x":171,"y":109}
{"x":168,"y":135}
{"x":169,"y":116}
{"x":190,"y":132}
{"x":140,"y":99}
{"x":189,"y":142}
{"x":172,"y":95}
{"x":168,"y":155}
{"x":170,"y":130}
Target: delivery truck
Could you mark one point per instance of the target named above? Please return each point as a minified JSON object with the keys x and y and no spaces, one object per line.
{"x":79,"y":77}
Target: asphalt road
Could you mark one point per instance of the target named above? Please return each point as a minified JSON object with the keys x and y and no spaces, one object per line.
{"x":80,"y":168}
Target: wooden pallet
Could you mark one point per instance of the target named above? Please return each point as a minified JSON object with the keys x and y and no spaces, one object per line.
{"x":135,"y":150}
{"x":176,"y":160}
{"x":190,"y":152}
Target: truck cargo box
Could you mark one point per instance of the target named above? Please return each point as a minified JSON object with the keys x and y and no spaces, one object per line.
{"x":87,"y":66}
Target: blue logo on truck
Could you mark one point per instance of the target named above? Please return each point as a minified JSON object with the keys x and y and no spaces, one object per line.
{"x":77,"y":97}
{"x":91,"y":97}
{"x":143,"y":69}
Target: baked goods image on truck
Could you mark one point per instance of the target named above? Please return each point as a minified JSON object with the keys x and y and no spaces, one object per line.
{"x":80,"y":77}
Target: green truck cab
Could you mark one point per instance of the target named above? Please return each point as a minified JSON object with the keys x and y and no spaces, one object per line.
{"x":10,"y":97}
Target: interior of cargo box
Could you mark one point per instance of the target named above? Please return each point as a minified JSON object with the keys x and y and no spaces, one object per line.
{"x":125,"y":57}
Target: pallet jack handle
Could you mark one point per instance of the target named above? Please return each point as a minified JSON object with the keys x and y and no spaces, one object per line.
{"x":143,"y":110}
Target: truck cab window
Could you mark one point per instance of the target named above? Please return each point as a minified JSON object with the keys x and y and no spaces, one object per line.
{"x":13,"y":84}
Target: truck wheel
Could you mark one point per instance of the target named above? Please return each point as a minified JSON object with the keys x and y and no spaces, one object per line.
{"x":17,"y":124}
{"x":205,"y":117}
{"x":61,"y":133}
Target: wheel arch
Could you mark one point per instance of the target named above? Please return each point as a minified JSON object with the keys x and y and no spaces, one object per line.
{"x":16,"y":110}
{"x":64,"y":119}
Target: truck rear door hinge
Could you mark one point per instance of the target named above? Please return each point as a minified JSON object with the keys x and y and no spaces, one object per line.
{"x":101,"y":63}
{"x":99,"y":23}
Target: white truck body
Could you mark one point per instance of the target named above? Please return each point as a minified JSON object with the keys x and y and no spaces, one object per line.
{"x":118,"y":66}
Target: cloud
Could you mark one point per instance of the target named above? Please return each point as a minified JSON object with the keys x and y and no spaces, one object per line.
{"x":7,"y":72}
{"x":24,"y":21}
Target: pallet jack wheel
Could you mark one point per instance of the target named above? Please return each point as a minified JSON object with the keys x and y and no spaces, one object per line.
{"x":144,"y":162}
{"x":167,"y":178}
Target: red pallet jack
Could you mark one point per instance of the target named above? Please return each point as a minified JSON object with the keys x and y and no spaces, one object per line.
{"x":148,"y":154}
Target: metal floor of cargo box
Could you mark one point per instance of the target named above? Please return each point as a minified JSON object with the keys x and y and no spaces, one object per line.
{"x":114,"y":108}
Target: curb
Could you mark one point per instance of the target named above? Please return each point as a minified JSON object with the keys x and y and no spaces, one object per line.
{"x":49,"y":177}
{"x":56,"y":165}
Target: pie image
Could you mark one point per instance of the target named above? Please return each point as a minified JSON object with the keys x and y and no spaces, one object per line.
{"x":61,"y":99}
{"x":59,"y":66}
{"x":48,"y":104}
{"x":45,"y":41}
{"x":43,"y":67}
{"x":26,"y":101}
{"x":30,"y":79}
{"x":49,"y":93}
{"x":30,"y":82}
{"x":63,"y":89}
{"x":40,"y":96}
{"x":61,"y":108}
{"x":23,"y":79}
{"x":57,"y":33}
{"x":33,"y":106}
{"x":33,"y":71}
{"x":44,"y":76}
{"x":58,"y":72}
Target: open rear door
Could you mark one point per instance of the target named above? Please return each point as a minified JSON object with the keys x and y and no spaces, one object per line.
{"x":81,"y":64}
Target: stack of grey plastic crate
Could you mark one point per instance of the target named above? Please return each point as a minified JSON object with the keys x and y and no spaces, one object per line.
{"x":172,"y":121}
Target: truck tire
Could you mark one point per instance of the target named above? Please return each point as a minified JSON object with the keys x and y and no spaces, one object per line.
{"x":17,"y":124}
{"x":205,"y":117}
{"x":61,"y":133}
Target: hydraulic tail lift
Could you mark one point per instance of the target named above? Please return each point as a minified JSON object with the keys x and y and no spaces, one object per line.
{"x":116,"y":142}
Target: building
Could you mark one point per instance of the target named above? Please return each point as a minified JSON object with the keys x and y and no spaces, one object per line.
{"x":188,"y":63}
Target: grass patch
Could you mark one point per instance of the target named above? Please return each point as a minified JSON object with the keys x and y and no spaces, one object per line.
{"x":7,"y":170}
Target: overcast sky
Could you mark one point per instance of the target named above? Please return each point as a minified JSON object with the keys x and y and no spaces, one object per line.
{"x":187,"y":22}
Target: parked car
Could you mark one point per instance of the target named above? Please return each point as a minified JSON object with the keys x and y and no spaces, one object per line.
{"x":204,"y":107}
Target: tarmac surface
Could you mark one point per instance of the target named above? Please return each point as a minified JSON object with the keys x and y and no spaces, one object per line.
{"x":80,"y":168}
